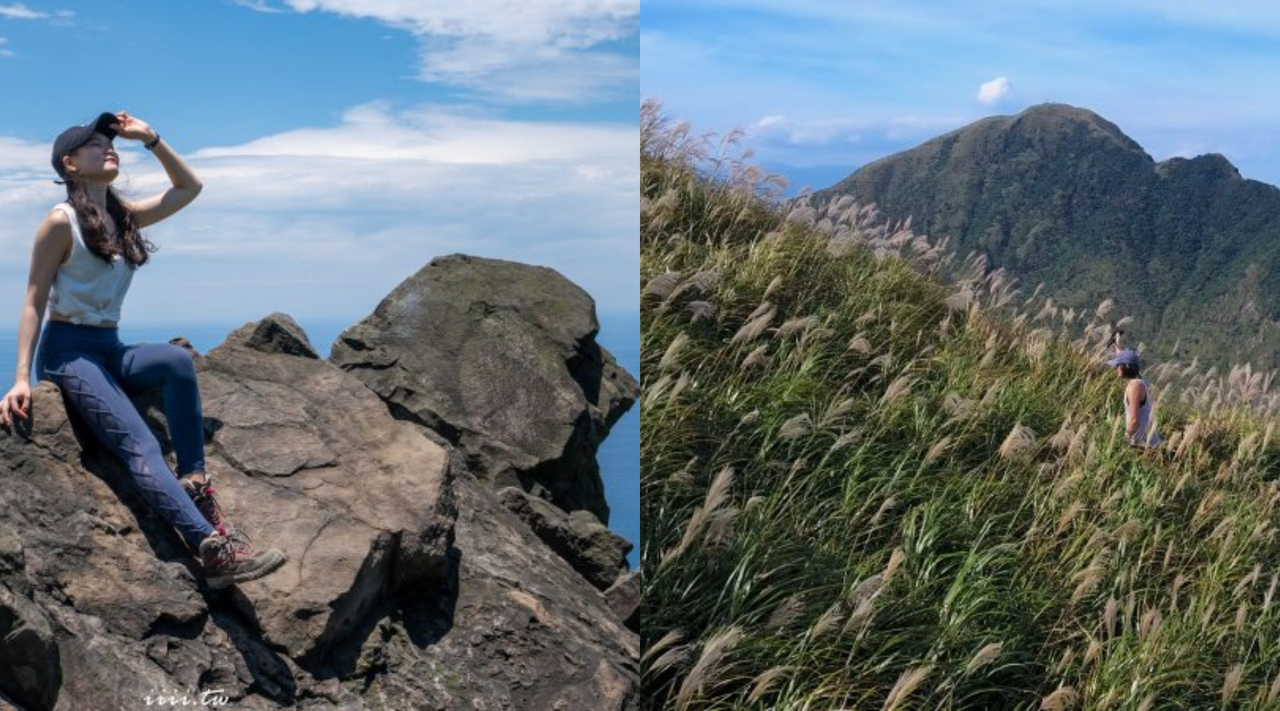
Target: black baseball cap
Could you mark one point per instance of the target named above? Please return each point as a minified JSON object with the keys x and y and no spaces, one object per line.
{"x":77,"y":136}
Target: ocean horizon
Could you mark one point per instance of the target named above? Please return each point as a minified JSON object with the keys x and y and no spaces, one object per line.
{"x":619,"y":454}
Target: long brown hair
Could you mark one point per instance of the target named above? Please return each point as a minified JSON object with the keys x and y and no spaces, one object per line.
{"x":127,"y":241}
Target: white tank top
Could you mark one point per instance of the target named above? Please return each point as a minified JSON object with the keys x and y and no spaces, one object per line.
{"x":1143,"y":436}
{"x":87,"y":290}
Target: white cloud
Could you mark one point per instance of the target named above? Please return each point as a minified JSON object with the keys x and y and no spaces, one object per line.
{"x":993,"y":91}
{"x":4,"y":51}
{"x":326,"y":221}
{"x":536,"y":50}
{"x":432,"y":135}
{"x":21,"y":12}
{"x":771,"y":121}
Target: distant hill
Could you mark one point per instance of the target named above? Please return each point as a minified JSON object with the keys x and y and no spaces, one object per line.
{"x":1060,"y":195}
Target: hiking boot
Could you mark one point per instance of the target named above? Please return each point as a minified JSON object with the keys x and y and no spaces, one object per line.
{"x":228,"y":561}
{"x":202,"y":495}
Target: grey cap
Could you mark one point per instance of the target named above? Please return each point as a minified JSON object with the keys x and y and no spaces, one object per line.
{"x":1127,"y":356}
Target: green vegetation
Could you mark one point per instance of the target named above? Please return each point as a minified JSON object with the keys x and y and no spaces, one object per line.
{"x":1060,"y":196}
{"x":865,"y":487}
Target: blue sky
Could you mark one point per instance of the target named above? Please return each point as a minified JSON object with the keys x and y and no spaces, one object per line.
{"x":821,"y":88}
{"x":343,"y":143}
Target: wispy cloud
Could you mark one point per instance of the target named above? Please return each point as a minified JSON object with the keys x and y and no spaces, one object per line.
{"x":531,"y":51}
{"x":5,"y":51}
{"x":21,"y":12}
{"x":994,"y":91}
{"x":836,"y":132}
{"x":259,"y":6}
{"x":438,"y":135}
{"x":319,"y":220}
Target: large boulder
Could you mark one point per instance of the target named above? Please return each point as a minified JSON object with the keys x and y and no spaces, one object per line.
{"x":407,"y":586}
{"x":501,"y":359}
{"x":309,"y":458}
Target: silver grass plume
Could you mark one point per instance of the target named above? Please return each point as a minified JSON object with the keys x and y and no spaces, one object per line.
{"x":756,"y":323}
{"x":705,"y":670}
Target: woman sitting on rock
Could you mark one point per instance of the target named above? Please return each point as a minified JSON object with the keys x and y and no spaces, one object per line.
{"x":86,"y":251}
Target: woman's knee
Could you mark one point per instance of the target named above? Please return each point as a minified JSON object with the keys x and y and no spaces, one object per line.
{"x":178,"y":362}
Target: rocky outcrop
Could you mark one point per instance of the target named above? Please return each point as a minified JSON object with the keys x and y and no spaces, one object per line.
{"x":523,"y":636}
{"x":599,"y":554}
{"x":501,"y":359}
{"x":277,"y":333}
{"x":408,"y":585}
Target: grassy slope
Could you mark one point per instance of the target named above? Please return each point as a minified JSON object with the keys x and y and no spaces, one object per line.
{"x":863,"y":488}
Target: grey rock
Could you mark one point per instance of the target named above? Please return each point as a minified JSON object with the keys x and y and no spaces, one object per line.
{"x":12,"y":562}
{"x":599,"y":554}
{"x":277,"y":333}
{"x":501,"y":359}
{"x":28,"y":653}
{"x":624,"y":599}
{"x":311,"y":458}
{"x":522,"y":622}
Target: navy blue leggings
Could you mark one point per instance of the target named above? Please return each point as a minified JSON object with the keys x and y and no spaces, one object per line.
{"x":95,"y":372}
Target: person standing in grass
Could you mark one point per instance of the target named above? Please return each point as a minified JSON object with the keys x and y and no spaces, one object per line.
{"x":1137,"y":399}
{"x":85,"y":255}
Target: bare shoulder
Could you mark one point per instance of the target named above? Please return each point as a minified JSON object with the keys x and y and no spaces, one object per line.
{"x":54,"y":233}
{"x":56,"y":217}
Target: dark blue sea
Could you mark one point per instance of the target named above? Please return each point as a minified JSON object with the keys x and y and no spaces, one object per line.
{"x":619,"y":455}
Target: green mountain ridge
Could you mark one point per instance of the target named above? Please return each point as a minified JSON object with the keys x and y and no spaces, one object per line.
{"x":1059,"y":195}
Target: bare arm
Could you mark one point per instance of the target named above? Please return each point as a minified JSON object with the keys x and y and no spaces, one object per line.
{"x":186,"y":186}
{"x":53,"y":242}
